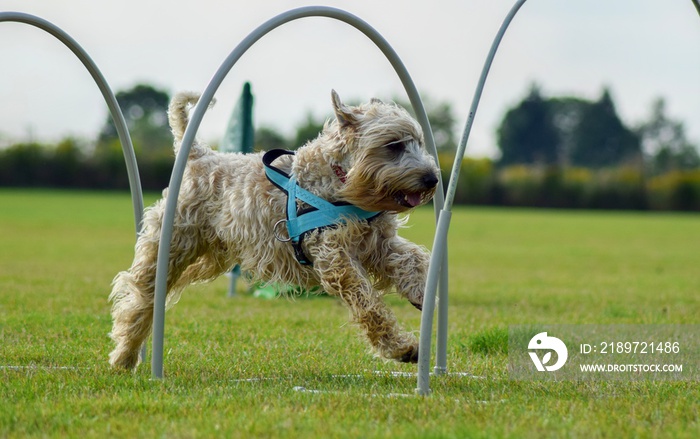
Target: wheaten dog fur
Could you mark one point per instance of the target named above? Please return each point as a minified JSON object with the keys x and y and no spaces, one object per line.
{"x":371,"y":156}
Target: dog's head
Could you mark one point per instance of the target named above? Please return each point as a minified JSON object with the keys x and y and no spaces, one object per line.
{"x":383,"y":158}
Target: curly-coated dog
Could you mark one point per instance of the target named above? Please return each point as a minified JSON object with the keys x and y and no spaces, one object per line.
{"x":370,"y":158}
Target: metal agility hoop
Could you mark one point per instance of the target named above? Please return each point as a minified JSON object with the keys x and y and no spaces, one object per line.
{"x":115,"y":111}
{"x":446,"y":213}
{"x":188,"y":139}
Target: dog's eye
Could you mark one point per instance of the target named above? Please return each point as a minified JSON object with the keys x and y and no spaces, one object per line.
{"x":397,"y":146}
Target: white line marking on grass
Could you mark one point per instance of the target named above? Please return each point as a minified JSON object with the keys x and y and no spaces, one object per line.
{"x":337,"y":392}
{"x":303,"y":389}
{"x":388,"y":373}
{"x":482,"y":402}
{"x":396,"y":374}
{"x":255,"y":380}
{"x":42,"y":368}
{"x":401,"y":374}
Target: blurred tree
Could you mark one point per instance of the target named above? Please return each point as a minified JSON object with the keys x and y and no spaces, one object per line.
{"x":665,"y":143}
{"x":566,"y":131}
{"x":527,"y":134}
{"x":567,"y":113}
{"x":442,"y":121}
{"x":600,"y":139}
{"x":307,"y":130}
{"x":145,"y":110}
{"x":267,"y":138}
{"x":67,"y":163}
{"x":25,"y":165}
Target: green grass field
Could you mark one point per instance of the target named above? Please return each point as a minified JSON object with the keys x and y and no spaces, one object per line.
{"x":234,"y":367}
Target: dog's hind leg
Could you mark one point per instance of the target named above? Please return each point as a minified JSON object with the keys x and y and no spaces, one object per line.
{"x":344,"y":277}
{"x":133,"y":295}
{"x":132,"y":314}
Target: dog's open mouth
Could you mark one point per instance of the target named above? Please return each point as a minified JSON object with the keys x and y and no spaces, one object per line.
{"x":409,"y":200}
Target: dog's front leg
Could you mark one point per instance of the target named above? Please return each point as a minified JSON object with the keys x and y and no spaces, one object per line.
{"x":405,"y":265}
{"x":342,"y":276}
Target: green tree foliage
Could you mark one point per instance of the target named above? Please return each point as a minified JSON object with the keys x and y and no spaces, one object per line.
{"x":145,"y":110}
{"x":308,"y":130}
{"x":442,"y":121}
{"x":34,"y":164}
{"x":528,"y":134}
{"x":566,"y":131}
{"x":567,"y":113}
{"x":66,"y":166}
{"x":600,"y":139}
{"x":267,"y":138}
{"x":665,"y":143}
{"x":24,"y":165}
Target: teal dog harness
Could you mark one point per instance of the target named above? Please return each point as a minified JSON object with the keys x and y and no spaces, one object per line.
{"x":319,"y":215}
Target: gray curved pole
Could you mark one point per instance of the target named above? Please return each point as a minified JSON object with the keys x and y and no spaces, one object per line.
{"x":445,"y":216}
{"x":115,"y":111}
{"x":196,"y":119}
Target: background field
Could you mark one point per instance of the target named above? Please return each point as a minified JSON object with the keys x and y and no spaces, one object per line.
{"x":234,"y":366}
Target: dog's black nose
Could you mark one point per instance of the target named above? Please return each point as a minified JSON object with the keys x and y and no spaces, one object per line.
{"x":430,"y":180}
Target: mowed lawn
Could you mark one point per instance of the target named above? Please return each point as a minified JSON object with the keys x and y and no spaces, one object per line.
{"x":250,"y":367}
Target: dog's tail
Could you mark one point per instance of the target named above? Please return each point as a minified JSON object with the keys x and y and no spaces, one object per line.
{"x":178,"y":117}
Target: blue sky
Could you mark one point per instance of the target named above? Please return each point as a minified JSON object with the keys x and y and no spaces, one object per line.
{"x":640,"y":49}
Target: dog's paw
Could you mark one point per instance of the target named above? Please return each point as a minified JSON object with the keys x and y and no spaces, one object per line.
{"x":410,"y":356}
{"x":416,"y":299}
{"x":124,"y":360}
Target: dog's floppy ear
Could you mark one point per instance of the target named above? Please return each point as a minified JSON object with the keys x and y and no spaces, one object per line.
{"x":343,"y":113}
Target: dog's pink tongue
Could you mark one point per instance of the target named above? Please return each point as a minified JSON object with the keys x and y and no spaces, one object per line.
{"x":413,"y":199}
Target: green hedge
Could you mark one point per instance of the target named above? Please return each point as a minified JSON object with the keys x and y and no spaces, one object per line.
{"x":625,"y":187}
{"x":480,"y":182}
{"x":675,"y":190}
{"x":66,"y":165}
